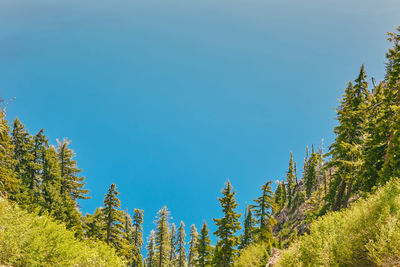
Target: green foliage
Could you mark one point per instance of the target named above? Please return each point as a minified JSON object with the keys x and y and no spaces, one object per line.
{"x":180,"y":243}
{"x":263,"y":211}
{"x":310,"y":178}
{"x":203,"y":248}
{"x":138,"y":237}
{"x":192,"y":246}
{"x":162,"y":237}
{"x":30,"y":240}
{"x":366,"y":234}
{"x":71,"y":183}
{"x":227,"y":228}
{"x":255,"y":255}
{"x":249,"y":233}
{"x":113,"y":218}
{"x":280,"y":196}
{"x":290,"y":180}
{"x":9,"y":184}
{"x":151,"y":250}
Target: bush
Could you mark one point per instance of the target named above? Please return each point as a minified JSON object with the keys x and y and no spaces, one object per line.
{"x":27,"y":239}
{"x":368,"y":233}
{"x":255,"y":255}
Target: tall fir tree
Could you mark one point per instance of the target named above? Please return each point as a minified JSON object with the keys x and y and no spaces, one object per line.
{"x":40,"y":146}
{"x":192,"y":246}
{"x":95,"y":225}
{"x":151,"y":250}
{"x":127,"y":246}
{"x":263,"y":210}
{"x":280,"y":196}
{"x":290,"y":180}
{"x":310,"y":178}
{"x":9,"y":184}
{"x":23,"y":145}
{"x":113,"y":218}
{"x":346,"y":151}
{"x":172,"y":244}
{"x":249,"y":229}
{"x":180,"y":246}
{"x":71,"y":182}
{"x":204,"y":248}
{"x":227,"y":228}
{"x":162,"y":237}
{"x":138,"y":237}
{"x":392,"y":157}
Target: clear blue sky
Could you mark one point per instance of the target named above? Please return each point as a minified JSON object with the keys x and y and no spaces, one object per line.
{"x":170,"y":98}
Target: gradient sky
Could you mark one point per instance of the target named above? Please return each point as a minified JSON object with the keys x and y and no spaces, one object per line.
{"x":170,"y":98}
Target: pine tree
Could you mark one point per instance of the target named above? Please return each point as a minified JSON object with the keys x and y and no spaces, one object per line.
{"x":95,"y":225}
{"x":347,"y":149}
{"x":127,"y":246}
{"x":9,"y":184}
{"x":203,"y":248}
{"x":113,"y":218}
{"x":181,"y":259}
{"x":162,"y":237}
{"x":290,"y":180}
{"x":227,"y":228}
{"x":310,"y":178}
{"x":172,"y":244}
{"x":70,"y":180}
{"x":40,"y":146}
{"x":23,"y":144}
{"x":263,"y":210}
{"x":151,"y":247}
{"x":192,"y":246}
{"x":249,"y":232}
{"x":280,"y":195}
{"x":392,"y":157}
{"x":138,"y":237}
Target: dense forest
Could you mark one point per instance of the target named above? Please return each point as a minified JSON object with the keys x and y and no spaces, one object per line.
{"x":343,"y":209}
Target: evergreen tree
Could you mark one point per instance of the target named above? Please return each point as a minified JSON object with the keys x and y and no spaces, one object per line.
{"x":203,"y":248}
{"x":39,"y":148}
{"x":151,"y":247}
{"x":71,"y":183}
{"x":192,"y":246}
{"x":181,"y":259}
{"x":280,"y":196}
{"x":162,"y":237}
{"x":127,"y":249}
{"x":23,"y":144}
{"x":138,"y":236}
{"x":95,"y":225}
{"x":311,"y":174}
{"x":9,"y":184}
{"x":392,"y":158}
{"x":249,"y":232}
{"x":113,"y":218}
{"x":172,"y":244}
{"x":227,"y":228}
{"x":263,"y":210}
{"x":290,"y":180}
{"x":347,"y":149}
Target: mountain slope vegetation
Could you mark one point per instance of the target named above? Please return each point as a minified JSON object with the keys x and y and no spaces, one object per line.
{"x":345,"y":206}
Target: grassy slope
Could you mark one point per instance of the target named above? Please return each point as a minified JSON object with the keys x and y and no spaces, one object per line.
{"x":30,"y":240}
{"x":366,"y":234}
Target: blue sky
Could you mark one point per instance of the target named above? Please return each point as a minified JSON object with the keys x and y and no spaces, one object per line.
{"x":169,"y":99}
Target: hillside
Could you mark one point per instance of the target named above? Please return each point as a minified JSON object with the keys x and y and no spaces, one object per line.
{"x":366,"y":234}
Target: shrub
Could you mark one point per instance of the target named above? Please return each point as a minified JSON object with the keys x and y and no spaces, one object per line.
{"x":27,"y":239}
{"x":368,"y":233}
{"x":255,"y":255}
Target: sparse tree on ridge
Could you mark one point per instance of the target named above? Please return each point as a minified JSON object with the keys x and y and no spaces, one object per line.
{"x":228,"y":225}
